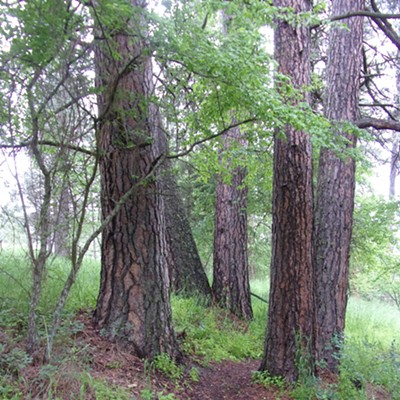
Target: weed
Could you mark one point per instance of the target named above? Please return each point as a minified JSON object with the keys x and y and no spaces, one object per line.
{"x":264,"y":378}
{"x":304,"y":361}
{"x":114,"y":364}
{"x":8,"y":389}
{"x":147,"y":394}
{"x":194,"y":374}
{"x":101,"y":390}
{"x":169,"y":396}
{"x":211,"y":336}
{"x":163,"y":363}
{"x":12,"y":362}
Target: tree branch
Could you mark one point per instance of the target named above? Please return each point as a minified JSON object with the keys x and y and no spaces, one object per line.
{"x":362,"y":13}
{"x":378,"y":124}
{"x":386,"y":27}
{"x":379,"y":18}
{"x":48,"y":143}
{"x":206,"y":139}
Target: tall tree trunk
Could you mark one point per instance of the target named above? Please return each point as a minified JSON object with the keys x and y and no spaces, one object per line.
{"x":133,"y":305}
{"x":291,"y":300}
{"x":186,"y":271}
{"x":336,"y":183}
{"x":231,"y":287}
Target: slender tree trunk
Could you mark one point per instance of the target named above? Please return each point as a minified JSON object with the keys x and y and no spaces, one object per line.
{"x":133,"y":306}
{"x":291,"y":301}
{"x":186,"y":271}
{"x":336,"y":183}
{"x":38,"y":260}
{"x":395,"y":158}
{"x":394,"y":165}
{"x":231,"y":288}
{"x":62,"y":223}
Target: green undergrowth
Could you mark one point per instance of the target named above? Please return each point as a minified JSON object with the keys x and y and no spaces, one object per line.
{"x":370,"y":354}
{"x":210,"y":334}
{"x":15,"y":286}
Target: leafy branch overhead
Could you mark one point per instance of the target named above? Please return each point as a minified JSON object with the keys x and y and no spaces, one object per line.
{"x":205,"y":76}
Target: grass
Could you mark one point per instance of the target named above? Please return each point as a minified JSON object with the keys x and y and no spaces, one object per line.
{"x":211,"y":335}
{"x":371,"y":352}
{"x":15,"y":285}
{"x":373,"y":321}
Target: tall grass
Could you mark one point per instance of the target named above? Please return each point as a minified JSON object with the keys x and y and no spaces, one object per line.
{"x":15,"y":286}
{"x":373,"y":321}
{"x":372,"y":346}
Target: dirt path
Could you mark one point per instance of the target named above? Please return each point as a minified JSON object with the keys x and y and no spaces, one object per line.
{"x":231,"y":381}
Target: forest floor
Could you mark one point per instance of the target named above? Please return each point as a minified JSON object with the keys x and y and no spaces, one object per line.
{"x":107,"y":362}
{"x":111,"y":368}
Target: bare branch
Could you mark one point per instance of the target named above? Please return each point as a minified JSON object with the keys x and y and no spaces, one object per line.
{"x":206,"y":139}
{"x":51,"y":144}
{"x":363,"y":13}
{"x":378,"y":124}
{"x":385,"y":26}
{"x":379,"y":18}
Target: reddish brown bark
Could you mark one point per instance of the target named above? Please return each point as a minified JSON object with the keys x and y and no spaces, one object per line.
{"x":231,"y":288}
{"x":133,"y":306}
{"x":336,"y":183}
{"x":291,"y":301}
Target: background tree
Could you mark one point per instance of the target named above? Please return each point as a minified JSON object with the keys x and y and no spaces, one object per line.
{"x":231,"y":287}
{"x":186,"y":273}
{"x":291,"y":299}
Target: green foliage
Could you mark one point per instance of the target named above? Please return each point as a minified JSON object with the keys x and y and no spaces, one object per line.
{"x":375,"y":248}
{"x":370,"y":351}
{"x":13,"y":361}
{"x":15,"y":281}
{"x":148,"y":394}
{"x":210,"y":335}
{"x":38,"y":30}
{"x":264,"y":378}
{"x":364,"y":361}
{"x":101,"y":390}
{"x":8,"y":389}
{"x":376,"y":221}
{"x":164,"y":363}
{"x":194,"y":374}
{"x":213,"y":76}
{"x":373,"y":321}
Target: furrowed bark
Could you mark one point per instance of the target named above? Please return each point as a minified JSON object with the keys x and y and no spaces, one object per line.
{"x":335,"y":189}
{"x":291,"y":300}
{"x":133,"y":306}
